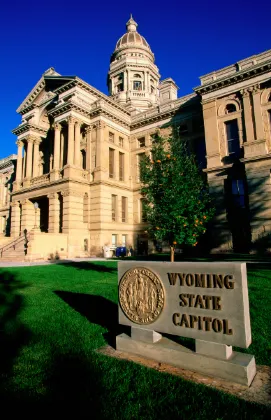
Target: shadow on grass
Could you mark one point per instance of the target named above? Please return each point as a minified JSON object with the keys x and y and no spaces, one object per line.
{"x":88,"y":266}
{"x":74,"y":387}
{"x":98,"y":310}
{"x":13,"y":334}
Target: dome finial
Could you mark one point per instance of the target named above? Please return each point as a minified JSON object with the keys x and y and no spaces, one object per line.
{"x":131,"y":25}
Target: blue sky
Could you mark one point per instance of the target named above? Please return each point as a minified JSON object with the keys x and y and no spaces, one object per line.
{"x":188,"y":39}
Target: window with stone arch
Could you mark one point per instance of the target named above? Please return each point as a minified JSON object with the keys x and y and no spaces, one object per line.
{"x":230,"y":108}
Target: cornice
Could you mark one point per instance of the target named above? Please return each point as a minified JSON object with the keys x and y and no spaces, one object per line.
{"x":161,"y":112}
{"x":29,"y":127}
{"x":88,"y":88}
{"x":32,"y":95}
{"x":233,"y":78}
{"x":98,"y":110}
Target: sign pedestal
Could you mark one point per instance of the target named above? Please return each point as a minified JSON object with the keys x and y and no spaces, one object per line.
{"x":237,"y":367}
{"x":207,"y":302}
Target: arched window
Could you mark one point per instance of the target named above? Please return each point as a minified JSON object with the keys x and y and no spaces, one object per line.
{"x":230,"y":108}
{"x":137,"y":76}
{"x":269,"y":97}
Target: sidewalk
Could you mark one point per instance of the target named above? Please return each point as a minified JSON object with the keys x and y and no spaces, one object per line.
{"x":33,"y":263}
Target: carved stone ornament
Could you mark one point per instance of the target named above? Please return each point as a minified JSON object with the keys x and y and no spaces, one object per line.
{"x":141,"y":295}
{"x":244,"y":92}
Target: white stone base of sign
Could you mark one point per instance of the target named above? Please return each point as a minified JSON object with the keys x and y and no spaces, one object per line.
{"x":239,"y":367}
{"x":148,"y":336}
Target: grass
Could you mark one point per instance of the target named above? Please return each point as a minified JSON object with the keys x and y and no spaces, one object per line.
{"x":53,"y":318}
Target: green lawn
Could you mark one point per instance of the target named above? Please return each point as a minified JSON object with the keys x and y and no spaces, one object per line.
{"x":52,"y":318}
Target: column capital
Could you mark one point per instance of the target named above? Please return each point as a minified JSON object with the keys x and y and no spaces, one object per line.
{"x":71,"y":120}
{"x":256,"y":89}
{"x":19,"y":142}
{"x":31,"y":139}
{"x":244,"y":92}
{"x":52,"y":196}
{"x":100,"y":125}
{"x":89,"y":128}
{"x":78,"y":122}
{"x":14,"y":203}
{"x":37,"y":141}
{"x":57,"y":126}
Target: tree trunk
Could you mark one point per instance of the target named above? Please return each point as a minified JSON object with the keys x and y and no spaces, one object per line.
{"x":171,"y":254}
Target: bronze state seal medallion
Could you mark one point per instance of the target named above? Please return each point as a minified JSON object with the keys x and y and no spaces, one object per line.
{"x":141,"y":295}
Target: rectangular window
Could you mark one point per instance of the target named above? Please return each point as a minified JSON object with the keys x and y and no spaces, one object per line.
{"x":111,"y":137}
{"x":232,"y":134}
{"x":121,"y":141}
{"x":114,"y":239}
{"x":121,"y":166}
{"x":120,"y":87}
{"x":140,"y":157}
{"x":143,"y":215}
{"x":123,"y":240}
{"x":111,"y":163}
{"x":141,"y":142}
{"x":238,"y":192}
{"x":123,"y":209}
{"x":114,"y":207}
{"x":137,"y":85}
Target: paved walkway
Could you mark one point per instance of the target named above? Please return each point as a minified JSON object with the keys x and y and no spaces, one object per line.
{"x":32,"y":263}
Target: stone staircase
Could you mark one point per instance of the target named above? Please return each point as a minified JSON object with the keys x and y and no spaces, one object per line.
{"x":14,"y":250}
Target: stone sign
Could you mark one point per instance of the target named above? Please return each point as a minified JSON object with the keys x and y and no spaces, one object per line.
{"x":204,"y":301}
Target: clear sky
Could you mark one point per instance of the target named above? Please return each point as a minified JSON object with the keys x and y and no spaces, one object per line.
{"x":188,"y":38}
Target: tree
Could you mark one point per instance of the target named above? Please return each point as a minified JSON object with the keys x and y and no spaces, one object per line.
{"x":176,"y":199}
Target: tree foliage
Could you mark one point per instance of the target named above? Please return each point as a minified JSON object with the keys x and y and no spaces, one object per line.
{"x":176,"y":199}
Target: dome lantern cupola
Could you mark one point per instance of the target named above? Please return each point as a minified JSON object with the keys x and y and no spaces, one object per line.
{"x":133,"y":78}
{"x":131,"y":25}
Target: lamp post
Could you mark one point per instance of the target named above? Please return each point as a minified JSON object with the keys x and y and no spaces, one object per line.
{"x":36,"y":205}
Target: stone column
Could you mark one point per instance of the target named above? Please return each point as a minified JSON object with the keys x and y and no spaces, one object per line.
{"x":19,"y":167}
{"x":57,"y":146}
{"x":29,"y":157}
{"x":54,"y":213}
{"x":116,"y":165}
{"x":99,"y":141}
{"x":15,"y":219}
{"x":62,"y":139}
{"x":1,"y":191}
{"x":77,"y":144}
{"x":88,"y":152}
{"x":70,"y":141}
{"x":145,"y":82}
{"x":256,"y":95}
{"x":211,"y":133}
{"x":28,"y":215}
{"x":221,"y":237}
{"x":24,"y":159}
{"x":125,"y":81}
{"x":36,"y":158}
{"x":72,"y":212}
{"x":248,"y":115}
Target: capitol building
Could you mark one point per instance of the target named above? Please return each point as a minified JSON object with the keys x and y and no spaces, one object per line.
{"x":74,"y":186}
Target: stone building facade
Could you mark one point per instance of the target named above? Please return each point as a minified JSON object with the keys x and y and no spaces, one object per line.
{"x":7,"y":166}
{"x":77,"y":185}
